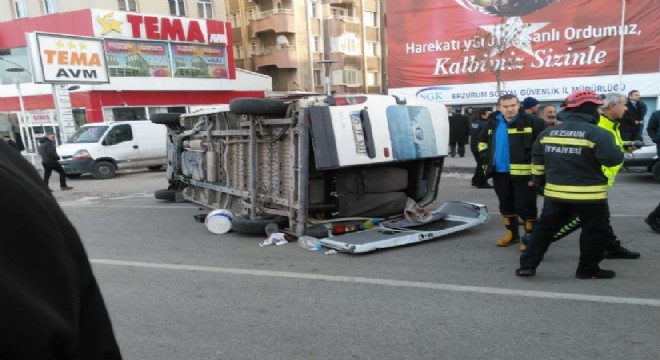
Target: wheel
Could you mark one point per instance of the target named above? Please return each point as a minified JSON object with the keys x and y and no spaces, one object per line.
{"x":73,"y":176}
{"x":656,"y":170}
{"x":165,"y":118}
{"x":317,"y":231}
{"x":243,"y":224}
{"x":104,"y":170}
{"x":258,"y":106}
{"x":155,"y":167}
{"x":166,"y":194}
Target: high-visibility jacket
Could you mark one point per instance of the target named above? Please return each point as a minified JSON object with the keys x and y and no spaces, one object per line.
{"x":522,"y":134}
{"x":571,"y":156}
{"x":613,"y":127}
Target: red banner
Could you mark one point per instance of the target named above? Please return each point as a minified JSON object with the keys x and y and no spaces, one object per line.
{"x":453,"y":41}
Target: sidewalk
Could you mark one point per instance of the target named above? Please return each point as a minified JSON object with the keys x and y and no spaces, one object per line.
{"x":460,"y":164}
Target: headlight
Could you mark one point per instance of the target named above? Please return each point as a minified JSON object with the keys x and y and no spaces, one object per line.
{"x":81,"y":154}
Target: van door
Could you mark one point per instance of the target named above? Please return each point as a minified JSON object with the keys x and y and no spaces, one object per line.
{"x":120,"y":144}
{"x":451,"y":217}
{"x":151,"y":140}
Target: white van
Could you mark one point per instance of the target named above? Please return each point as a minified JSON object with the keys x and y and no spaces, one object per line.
{"x":102,"y":149}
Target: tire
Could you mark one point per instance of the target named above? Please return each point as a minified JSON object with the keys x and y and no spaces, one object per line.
{"x":166,"y":118}
{"x":656,"y":170}
{"x":166,"y":194}
{"x":104,"y":170}
{"x":258,"y":106}
{"x":243,"y":224}
{"x":317,"y":231}
{"x":155,"y":167}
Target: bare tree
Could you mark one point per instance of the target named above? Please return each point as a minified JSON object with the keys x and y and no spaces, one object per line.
{"x":495,"y":49}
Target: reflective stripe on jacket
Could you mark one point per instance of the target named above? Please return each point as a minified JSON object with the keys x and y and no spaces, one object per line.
{"x":522,"y":134}
{"x":613,"y":127}
{"x":571,"y":156}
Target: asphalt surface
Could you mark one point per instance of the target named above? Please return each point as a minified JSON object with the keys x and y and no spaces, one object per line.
{"x":176,"y":291}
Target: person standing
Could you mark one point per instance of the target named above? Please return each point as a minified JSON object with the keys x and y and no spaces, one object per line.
{"x":479,"y":179}
{"x":50,"y":160}
{"x":653,"y":220}
{"x":531,"y":105}
{"x":549,"y":115}
{"x":459,"y":131}
{"x":471,"y":114}
{"x":653,"y":129}
{"x":505,"y":146}
{"x":633,"y":119}
{"x":52,"y":307}
{"x":570,"y":157}
{"x":11,"y":142}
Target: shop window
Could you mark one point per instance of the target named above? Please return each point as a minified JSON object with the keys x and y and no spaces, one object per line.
{"x":127,"y":5}
{"x":50,"y":6}
{"x":205,"y":9}
{"x":19,"y":9}
{"x":177,"y":7}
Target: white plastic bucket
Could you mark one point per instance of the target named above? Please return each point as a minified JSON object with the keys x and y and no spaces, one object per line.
{"x":219,"y":221}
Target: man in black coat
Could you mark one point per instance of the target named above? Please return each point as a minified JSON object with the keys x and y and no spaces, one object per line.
{"x":50,"y":160}
{"x":633,"y":119}
{"x":11,"y":142}
{"x":653,"y":129}
{"x":52,"y":307}
{"x":479,"y":179}
{"x":459,"y":131}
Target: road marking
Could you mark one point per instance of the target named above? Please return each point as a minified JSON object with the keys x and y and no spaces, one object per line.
{"x":388,"y":282}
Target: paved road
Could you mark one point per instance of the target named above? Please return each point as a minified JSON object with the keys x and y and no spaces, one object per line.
{"x":176,"y":291}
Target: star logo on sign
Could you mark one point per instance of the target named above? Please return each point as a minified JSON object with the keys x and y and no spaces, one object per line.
{"x":514,"y":32}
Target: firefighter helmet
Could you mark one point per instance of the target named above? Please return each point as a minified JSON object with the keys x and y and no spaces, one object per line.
{"x":580,"y":97}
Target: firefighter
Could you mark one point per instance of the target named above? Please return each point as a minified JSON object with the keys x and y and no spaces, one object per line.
{"x":505,"y":147}
{"x":570,"y":157}
{"x":614,"y":105}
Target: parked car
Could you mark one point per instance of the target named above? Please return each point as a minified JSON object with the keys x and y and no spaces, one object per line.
{"x":645,"y":158}
{"x":318,"y":164}
{"x":102,"y":149}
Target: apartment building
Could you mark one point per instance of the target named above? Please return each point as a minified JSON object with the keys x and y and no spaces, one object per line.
{"x":293,"y":41}
{"x":160,"y":56}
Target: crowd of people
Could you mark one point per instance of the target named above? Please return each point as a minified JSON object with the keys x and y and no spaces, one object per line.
{"x":570,"y":157}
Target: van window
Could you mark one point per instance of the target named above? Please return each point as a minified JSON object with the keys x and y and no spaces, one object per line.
{"x":88,"y":134}
{"x":119,"y":134}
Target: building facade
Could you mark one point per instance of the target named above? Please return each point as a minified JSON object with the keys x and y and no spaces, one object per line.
{"x":160,"y":56}
{"x":288,"y":40}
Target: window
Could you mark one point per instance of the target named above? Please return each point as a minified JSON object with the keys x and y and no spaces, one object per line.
{"x":205,"y":9}
{"x":128,"y":5}
{"x":235,"y":20}
{"x":338,"y":12}
{"x":19,"y":9}
{"x":253,"y":48}
{"x":278,"y":6}
{"x":119,"y":134}
{"x":369,"y":18}
{"x":238,"y":52}
{"x":318,"y":78}
{"x":315,"y":10}
{"x":177,"y":7}
{"x":349,"y":77}
{"x":50,"y":7}
{"x":316,"y":44}
{"x":372,"y":79}
{"x":372,"y":49}
{"x":250,"y":14}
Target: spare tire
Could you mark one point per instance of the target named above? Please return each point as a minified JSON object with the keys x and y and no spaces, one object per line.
{"x":166,"y":118}
{"x":166,"y":194}
{"x":258,"y":106}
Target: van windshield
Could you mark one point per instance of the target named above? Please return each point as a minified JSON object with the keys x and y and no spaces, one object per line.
{"x":88,"y":134}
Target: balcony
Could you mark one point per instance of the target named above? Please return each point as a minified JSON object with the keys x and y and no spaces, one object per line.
{"x":282,"y":57}
{"x":277,"y":21}
{"x":338,"y":25}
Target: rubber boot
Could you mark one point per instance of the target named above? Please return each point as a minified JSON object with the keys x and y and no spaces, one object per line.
{"x":511,"y":235}
{"x":529,"y":226}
